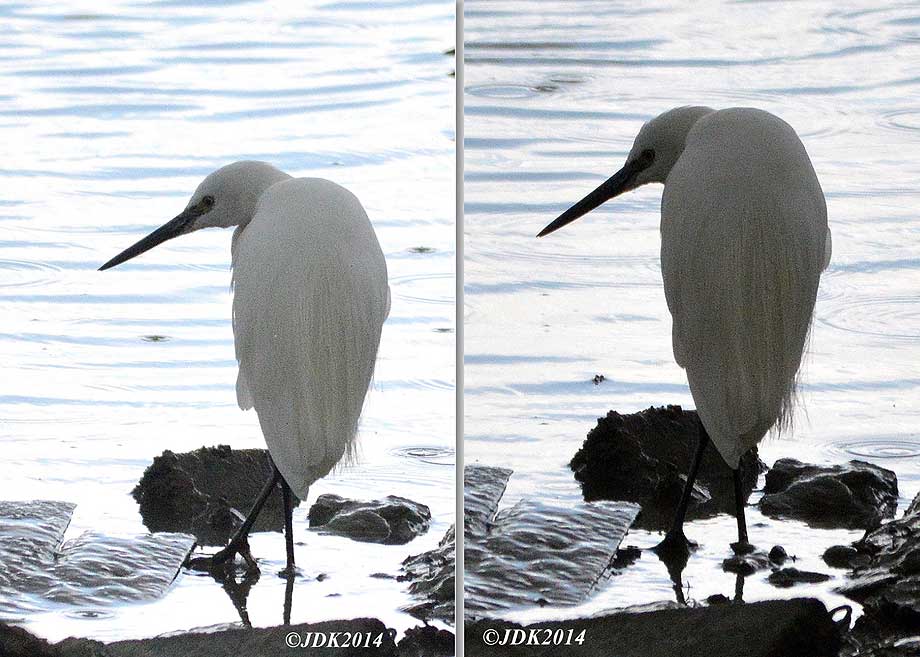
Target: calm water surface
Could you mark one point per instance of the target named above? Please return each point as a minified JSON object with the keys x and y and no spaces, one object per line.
{"x":110,"y":116}
{"x":555,"y":93}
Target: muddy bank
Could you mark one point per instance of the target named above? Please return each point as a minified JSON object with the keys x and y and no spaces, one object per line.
{"x":778,"y":628}
{"x":207,"y":493}
{"x":370,"y":634}
{"x":644,"y":458}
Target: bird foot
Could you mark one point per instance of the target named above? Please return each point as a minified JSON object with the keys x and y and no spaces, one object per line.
{"x":289,"y":571}
{"x":675,"y":544}
{"x":223,"y":564}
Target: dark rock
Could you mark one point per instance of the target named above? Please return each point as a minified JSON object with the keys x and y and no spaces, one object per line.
{"x":717,"y":599}
{"x":644,"y":457}
{"x":786,"y":577}
{"x":427,"y":641}
{"x":746,"y":564}
{"x":625,"y":557}
{"x":207,"y":493}
{"x":259,"y":642}
{"x":392,"y":520}
{"x":887,"y":582}
{"x":432,"y":579}
{"x":483,"y":487}
{"x":777,"y":628}
{"x":875,"y":637}
{"x":852,"y":495}
{"x":17,"y":642}
{"x":538,"y":553}
{"x":778,"y":555}
{"x":424,"y":641}
{"x":89,"y":569}
{"x":843,"y":556}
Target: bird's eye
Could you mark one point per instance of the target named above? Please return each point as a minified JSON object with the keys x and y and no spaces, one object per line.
{"x":648,"y":155}
{"x":208,"y":201}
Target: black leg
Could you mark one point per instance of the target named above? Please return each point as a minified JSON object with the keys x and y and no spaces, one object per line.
{"x":674,"y":540}
{"x":239,"y":543}
{"x":288,"y":527}
{"x":742,"y":546}
{"x":288,"y":599}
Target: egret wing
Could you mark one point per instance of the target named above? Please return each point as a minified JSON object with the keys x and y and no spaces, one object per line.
{"x":310,"y":299}
{"x":744,"y":236}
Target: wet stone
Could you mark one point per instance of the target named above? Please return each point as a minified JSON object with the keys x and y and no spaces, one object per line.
{"x":541,"y":554}
{"x":786,"y":577}
{"x":853,"y":495}
{"x":644,"y":458}
{"x":778,"y":554}
{"x":800,"y":627}
{"x":392,"y":520}
{"x":843,"y":556}
{"x":483,"y":487}
{"x":431,"y":576}
{"x":89,"y":570}
{"x":207,"y":493}
{"x":426,"y":641}
{"x":875,"y":637}
{"x":746,"y":564}
{"x":887,"y":581}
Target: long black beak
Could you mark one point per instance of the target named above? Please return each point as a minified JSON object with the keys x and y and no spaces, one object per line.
{"x":167,"y":231}
{"x":621,"y":181}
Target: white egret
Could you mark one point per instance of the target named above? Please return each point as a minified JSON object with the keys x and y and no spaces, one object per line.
{"x":310,"y":296}
{"x":744,"y":239}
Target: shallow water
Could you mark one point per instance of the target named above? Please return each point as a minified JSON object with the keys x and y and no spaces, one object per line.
{"x":109,"y":120}
{"x":555,"y":93}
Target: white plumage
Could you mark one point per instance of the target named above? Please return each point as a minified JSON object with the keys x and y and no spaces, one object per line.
{"x":310,"y":298}
{"x":744,"y":239}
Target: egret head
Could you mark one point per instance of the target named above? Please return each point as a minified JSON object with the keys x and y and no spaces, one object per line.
{"x":654,"y":152}
{"x":227,"y":197}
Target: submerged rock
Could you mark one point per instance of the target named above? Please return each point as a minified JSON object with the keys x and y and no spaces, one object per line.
{"x":851,"y":495}
{"x":786,"y":577}
{"x":542,"y":554}
{"x":644,"y":457}
{"x":90,"y":569}
{"x":746,"y":564}
{"x":207,"y":493}
{"x":392,"y":520}
{"x":535,"y":553}
{"x":800,"y":627}
{"x":483,"y":487}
